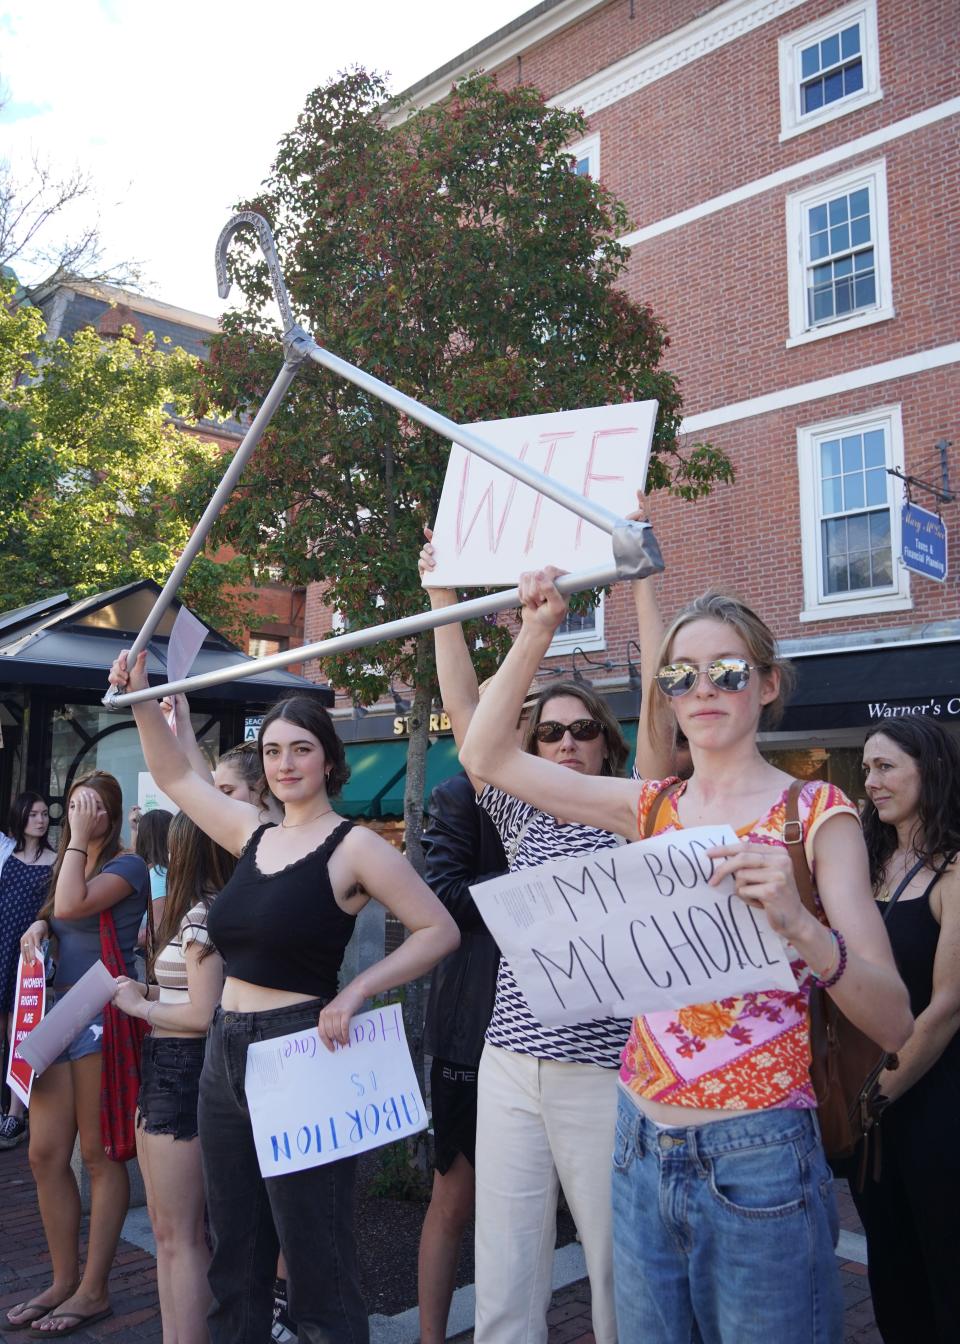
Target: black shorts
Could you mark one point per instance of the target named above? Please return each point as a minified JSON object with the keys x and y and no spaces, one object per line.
{"x":453,"y":1093}
{"x":169,"y":1084}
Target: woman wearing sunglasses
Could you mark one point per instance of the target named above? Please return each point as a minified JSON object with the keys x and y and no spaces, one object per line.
{"x":724,"y":1219}
{"x":547,"y":1096}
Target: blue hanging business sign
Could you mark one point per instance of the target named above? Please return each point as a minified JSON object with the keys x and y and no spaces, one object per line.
{"x":923,"y":542}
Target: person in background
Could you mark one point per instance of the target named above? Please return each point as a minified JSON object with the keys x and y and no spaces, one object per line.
{"x":724,"y":1218}
{"x":91,"y":875}
{"x":460,"y":845}
{"x":26,"y":860}
{"x":152,"y":831}
{"x":909,"y":1208}
{"x":178,"y":1007}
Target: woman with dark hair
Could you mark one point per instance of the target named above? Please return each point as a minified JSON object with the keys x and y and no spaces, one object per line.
{"x":151,"y":843}
{"x":281,"y":924}
{"x":188,"y":978}
{"x":91,"y":876}
{"x":723,"y":1216}
{"x":26,"y":857}
{"x":911,"y":821}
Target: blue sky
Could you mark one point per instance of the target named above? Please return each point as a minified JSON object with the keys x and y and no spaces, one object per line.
{"x":175,"y":108}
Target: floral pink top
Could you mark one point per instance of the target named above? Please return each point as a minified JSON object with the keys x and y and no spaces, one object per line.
{"x":746,"y":1053}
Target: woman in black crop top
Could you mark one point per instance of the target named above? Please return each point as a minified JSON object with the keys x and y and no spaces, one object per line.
{"x":281,"y":925}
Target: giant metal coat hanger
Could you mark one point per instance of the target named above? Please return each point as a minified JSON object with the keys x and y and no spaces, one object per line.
{"x":635,"y":551}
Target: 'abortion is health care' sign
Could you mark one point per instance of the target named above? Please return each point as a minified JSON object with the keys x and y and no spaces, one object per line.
{"x":632,"y":930}
{"x":309,"y":1105}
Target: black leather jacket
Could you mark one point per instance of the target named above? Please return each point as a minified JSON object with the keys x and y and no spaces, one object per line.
{"x":461,"y":845}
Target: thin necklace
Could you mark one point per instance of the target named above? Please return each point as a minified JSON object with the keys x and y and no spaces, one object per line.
{"x":292,"y":826}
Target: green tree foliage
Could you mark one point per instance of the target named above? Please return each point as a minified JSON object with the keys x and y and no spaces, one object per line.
{"x":90,"y":462}
{"x":458,"y":258}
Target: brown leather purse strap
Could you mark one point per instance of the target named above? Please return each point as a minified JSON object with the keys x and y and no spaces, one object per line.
{"x":662,"y":794}
{"x":792,"y":837}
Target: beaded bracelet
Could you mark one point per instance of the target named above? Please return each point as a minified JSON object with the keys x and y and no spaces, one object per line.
{"x":828,"y":982}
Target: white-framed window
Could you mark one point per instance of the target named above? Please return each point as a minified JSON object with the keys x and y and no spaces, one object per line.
{"x":850,"y":516}
{"x":829,"y":68}
{"x":580,"y":630}
{"x":838,"y":251}
{"x":586,"y":157}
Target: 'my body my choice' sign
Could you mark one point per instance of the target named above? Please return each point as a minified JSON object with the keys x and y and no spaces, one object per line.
{"x":631,"y":930}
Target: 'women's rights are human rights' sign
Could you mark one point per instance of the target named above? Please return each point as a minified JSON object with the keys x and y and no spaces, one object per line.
{"x":632,"y":930}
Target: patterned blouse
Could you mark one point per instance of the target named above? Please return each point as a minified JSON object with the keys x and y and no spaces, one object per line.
{"x":531,"y":837}
{"x":746,"y":1053}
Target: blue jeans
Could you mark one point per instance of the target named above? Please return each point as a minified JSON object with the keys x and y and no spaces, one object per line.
{"x":724,"y":1233}
{"x":309,"y":1213}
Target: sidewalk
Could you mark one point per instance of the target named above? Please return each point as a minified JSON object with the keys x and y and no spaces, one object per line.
{"x":136,"y":1320}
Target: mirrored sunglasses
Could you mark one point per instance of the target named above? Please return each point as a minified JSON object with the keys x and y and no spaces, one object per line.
{"x":581,"y":730}
{"x":727,"y":674}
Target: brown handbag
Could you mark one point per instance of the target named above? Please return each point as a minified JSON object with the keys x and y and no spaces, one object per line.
{"x":845,"y":1062}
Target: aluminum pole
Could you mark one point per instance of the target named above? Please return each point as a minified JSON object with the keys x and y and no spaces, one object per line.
{"x":639,"y":536}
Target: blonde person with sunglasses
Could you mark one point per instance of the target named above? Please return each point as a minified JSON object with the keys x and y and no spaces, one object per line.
{"x":724,"y":1218}
{"x":546,"y":1096}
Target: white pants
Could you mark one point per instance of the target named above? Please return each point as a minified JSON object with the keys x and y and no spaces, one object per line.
{"x":540,"y":1125}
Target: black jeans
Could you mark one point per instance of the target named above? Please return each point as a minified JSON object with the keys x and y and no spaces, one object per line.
{"x":308,"y":1213}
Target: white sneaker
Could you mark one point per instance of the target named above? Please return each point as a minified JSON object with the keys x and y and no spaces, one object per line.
{"x":13,"y":1130}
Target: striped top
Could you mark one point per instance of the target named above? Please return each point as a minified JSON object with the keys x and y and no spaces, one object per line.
{"x":170,"y":967}
{"x":531,"y":837}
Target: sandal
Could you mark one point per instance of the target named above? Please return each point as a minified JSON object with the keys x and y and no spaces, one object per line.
{"x":80,"y":1322}
{"x":38,"y":1310}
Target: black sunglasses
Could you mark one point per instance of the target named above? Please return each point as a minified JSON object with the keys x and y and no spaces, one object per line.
{"x":581,"y":730}
{"x":727,"y":674}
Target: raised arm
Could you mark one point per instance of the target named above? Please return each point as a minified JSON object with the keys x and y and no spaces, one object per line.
{"x":388,"y":877}
{"x":655,"y":758}
{"x":228,"y":822}
{"x":187,"y":737}
{"x":491,"y":751}
{"x":455,"y":672}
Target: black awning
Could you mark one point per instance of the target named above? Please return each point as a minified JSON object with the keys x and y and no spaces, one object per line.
{"x":865,"y":686}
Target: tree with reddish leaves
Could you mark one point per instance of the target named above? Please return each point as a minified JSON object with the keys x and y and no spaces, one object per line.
{"x":455,"y":255}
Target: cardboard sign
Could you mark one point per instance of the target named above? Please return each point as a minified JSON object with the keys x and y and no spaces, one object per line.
{"x":28,"y":1005}
{"x":309,"y":1106}
{"x":68,"y":1017}
{"x":490,"y":528}
{"x":924,"y":542}
{"x":631,"y":930}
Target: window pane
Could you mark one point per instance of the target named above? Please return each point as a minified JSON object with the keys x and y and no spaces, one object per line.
{"x":853,"y":78}
{"x":833,"y":87}
{"x":837,"y":210}
{"x":850,"y":41}
{"x":860,"y":202}
{"x":853,"y":493}
{"x":853,"y":452}
{"x":843,"y":296}
{"x":880,"y":528}
{"x":858,"y":533}
{"x":830,"y":457}
{"x":821,"y":303}
{"x":829,"y":50}
{"x":866,"y":294}
{"x":877,"y":486}
{"x":835,"y":536}
{"x":810,"y":61}
{"x":860,"y":231}
{"x":836,"y":576}
{"x":882,"y":568}
{"x":874,"y":448}
{"x":844,"y":265}
{"x":860,"y":570}
{"x":840,"y":238}
{"x":813,"y":96}
{"x":818,"y":218}
{"x":832,"y":495}
{"x":819,"y":245}
{"x":864,"y":260}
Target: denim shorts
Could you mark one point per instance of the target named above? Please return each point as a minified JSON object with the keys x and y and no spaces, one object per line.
{"x":90,"y":1040}
{"x":169,"y":1085}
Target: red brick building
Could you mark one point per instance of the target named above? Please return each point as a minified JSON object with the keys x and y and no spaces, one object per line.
{"x":792,"y":172}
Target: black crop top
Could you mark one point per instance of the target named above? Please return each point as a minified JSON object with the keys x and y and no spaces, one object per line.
{"x":283,"y":930}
